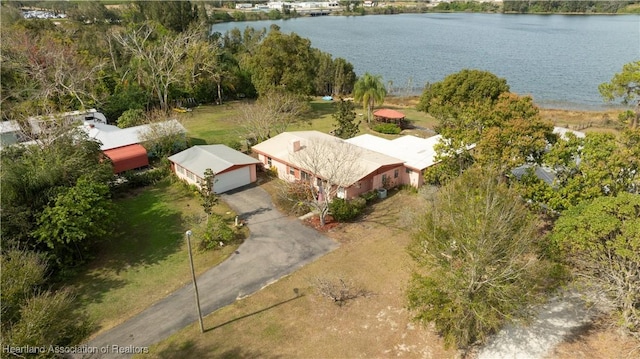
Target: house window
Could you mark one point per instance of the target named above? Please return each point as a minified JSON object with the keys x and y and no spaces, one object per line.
{"x":180,"y":169}
{"x":292,"y":171}
{"x":407,"y":170}
{"x":305,"y":176}
{"x":384,"y":178}
{"x":269,"y":161}
{"x":191,"y":176}
{"x":396,"y":173}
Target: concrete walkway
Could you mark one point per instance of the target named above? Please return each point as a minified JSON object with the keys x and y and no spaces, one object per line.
{"x":278,"y":246}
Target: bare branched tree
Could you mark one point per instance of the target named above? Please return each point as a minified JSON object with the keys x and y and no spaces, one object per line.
{"x":332,"y":165}
{"x":159,"y":59}
{"x":340,"y":290}
{"x":47,"y":76}
{"x":271,"y":115}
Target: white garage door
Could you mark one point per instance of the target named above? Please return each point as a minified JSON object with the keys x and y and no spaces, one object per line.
{"x":234,"y":179}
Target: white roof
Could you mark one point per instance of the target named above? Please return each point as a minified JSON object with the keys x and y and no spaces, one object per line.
{"x":415,"y":152}
{"x":279,"y":147}
{"x":68,"y":118}
{"x":113,"y":137}
{"x":217,"y":157}
{"x":9,"y":126}
{"x":563,"y":132}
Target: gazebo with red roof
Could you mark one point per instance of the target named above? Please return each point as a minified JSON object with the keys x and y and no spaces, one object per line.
{"x":389,"y":115}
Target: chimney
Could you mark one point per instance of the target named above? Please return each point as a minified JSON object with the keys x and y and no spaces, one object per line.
{"x":294,"y":146}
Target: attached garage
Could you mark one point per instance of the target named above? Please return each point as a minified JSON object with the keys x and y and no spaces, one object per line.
{"x":232,"y":169}
{"x":128,"y":158}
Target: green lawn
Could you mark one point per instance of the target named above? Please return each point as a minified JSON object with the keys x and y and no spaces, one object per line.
{"x":216,"y":124}
{"x":212,"y":124}
{"x":147,"y":257}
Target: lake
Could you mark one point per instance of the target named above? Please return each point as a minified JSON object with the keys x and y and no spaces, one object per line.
{"x":558,"y":59}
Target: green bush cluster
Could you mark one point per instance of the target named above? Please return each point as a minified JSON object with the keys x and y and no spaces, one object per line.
{"x":217,"y":233}
{"x":388,"y":128}
{"x":136,"y":179}
{"x":343,"y":210}
{"x":370,"y":196}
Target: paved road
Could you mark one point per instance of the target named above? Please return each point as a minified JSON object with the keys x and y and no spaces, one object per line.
{"x":278,"y":245}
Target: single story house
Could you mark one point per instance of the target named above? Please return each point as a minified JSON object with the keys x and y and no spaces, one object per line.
{"x":232,"y":168}
{"x":416,"y":153}
{"x":385,"y":163}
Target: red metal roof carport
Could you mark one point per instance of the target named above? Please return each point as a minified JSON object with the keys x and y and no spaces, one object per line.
{"x":127,"y":157}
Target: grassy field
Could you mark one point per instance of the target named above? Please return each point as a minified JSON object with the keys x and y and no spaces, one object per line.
{"x":147,"y":260}
{"x":277,"y":323}
{"x":147,"y":257}
{"x":216,"y":124}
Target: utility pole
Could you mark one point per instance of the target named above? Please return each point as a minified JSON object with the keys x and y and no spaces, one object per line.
{"x":195,"y":286}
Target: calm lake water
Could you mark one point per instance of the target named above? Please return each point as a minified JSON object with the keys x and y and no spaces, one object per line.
{"x":560,"y":60}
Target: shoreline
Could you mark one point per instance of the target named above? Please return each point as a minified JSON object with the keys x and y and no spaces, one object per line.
{"x":548,"y":105}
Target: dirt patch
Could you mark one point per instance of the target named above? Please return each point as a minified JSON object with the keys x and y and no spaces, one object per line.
{"x":586,"y":121}
{"x":329,"y":223}
{"x":599,"y":340}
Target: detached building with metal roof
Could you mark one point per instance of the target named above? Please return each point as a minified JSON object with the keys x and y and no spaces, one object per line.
{"x":232,"y":169}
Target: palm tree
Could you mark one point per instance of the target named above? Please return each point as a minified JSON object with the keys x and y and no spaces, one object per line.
{"x":369,"y":90}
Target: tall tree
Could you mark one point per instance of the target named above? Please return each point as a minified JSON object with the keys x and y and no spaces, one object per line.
{"x":32,"y":315}
{"x":475,"y":110}
{"x":601,"y":238}
{"x":369,"y":90}
{"x":283,"y":62}
{"x":510,"y":134}
{"x":344,"y":77}
{"x":43,"y":71}
{"x":595,"y":166}
{"x":468,"y":88}
{"x":157,"y":57}
{"x":270,"y":115}
{"x":33,"y":176}
{"x":475,"y":249}
{"x":344,"y":116}
{"x":625,"y":86}
{"x":77,"y":218}
{"x":174,"y":15}
{"x":208,"y":195}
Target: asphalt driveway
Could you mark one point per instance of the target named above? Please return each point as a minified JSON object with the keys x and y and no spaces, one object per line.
{"x":278,"y":245}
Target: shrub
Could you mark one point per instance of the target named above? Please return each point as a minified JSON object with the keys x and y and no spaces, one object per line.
{"x":217,"y":233}
{"x":340,"y":291}
{"x":293,"y":198}
{"x":235,"y":144}
{"x":137,"y":179}
{"x":370,"y":196}
{"x":343,"y":210}
{"x":388,"y":128}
